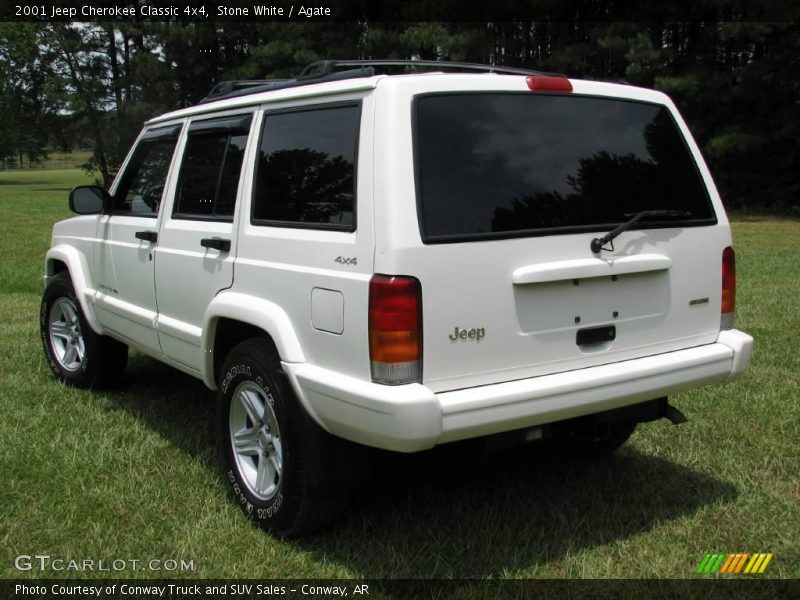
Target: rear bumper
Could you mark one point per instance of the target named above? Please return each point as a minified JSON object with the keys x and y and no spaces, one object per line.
{"x":411,"y":417}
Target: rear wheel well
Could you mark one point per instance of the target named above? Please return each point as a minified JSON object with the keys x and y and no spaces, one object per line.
{"x":54,"y":267}
{"x":230,"y":332}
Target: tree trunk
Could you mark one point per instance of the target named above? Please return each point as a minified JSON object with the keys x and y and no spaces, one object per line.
{"x":94,"y":120}
{"x":115,"y":76}
{"x":126,"y":60}
{"x":116,"y":84}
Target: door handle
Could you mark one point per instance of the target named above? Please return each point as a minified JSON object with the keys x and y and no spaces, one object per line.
{"x":147,"y":236}
{"x":216,"y":243}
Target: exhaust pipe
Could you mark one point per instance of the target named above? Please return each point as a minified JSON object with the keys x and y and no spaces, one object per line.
{"x":675,"y":416}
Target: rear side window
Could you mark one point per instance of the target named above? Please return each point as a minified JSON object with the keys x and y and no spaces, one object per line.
{"x":142,"y":184}
{"x":306,"y":172}
{"x":212,"y":163}
{"x":505,"y":165}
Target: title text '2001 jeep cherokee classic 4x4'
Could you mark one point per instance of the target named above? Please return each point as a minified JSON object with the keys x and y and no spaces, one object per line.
{"x":402,"y":261}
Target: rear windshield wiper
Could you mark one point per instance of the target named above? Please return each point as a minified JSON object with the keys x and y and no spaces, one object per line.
{"x":598,"y":243}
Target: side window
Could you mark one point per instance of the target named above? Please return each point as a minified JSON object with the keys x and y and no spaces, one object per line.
{"x":211,"y":167}
{"x":306,"y":168}
{"x":142,"y":185}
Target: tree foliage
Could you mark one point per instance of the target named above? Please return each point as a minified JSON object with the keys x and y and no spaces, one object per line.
{"x":29,"y":97}
{"x":735,"y":81}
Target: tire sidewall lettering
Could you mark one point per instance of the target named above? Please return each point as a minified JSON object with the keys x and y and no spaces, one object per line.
{"x":239,"y":369}
{"x":267,"y":513}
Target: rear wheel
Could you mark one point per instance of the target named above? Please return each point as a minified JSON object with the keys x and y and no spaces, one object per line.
{"x":76,"y":354}
{"x":284,"y":471}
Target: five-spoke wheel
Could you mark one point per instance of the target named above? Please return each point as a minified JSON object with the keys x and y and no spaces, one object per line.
{"x":285,"y":472}
{"x":66,"y":337}
{"x":256,"y":439}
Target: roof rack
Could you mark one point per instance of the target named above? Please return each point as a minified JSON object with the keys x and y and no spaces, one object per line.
{"x":226,"y":87}
{"x":325,"y":67}
{"x":232,"y":89}
{"x":328,"y":70}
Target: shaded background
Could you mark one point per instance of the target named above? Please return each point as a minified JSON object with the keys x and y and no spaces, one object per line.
{"x":89,"y":86}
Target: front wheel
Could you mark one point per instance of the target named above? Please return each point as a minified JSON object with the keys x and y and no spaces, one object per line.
{"x":76,"y":354}
{"x":284,"y":471}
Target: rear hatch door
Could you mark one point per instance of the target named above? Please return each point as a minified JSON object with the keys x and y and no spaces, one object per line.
{"x":511,"y":190}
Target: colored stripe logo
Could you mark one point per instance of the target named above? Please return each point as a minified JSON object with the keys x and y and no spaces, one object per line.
{"x":734,"y":564}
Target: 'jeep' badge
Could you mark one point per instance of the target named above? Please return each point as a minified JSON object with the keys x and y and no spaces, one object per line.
{"x":476,"y":334}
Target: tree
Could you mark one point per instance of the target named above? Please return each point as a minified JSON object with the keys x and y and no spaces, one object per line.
{"x":76,"y":53}
{"x":29,"y":97}
{"x":735,"y":81}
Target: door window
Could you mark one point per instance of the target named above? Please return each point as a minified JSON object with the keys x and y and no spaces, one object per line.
{"x":142,"y":186}
{"x":306,"y":173}
{"x":212,"y":164}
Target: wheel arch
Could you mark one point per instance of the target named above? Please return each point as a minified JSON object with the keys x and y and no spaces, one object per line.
{"x":232,"y":317}
{"x":62,"y":258}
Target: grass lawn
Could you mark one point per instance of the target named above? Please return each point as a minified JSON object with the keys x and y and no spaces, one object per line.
{"x":130,"y":473}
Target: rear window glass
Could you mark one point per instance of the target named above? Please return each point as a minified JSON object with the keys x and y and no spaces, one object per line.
{"x":500,"y":165}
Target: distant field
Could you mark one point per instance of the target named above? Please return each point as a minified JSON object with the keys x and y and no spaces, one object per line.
{"x":56,"y":159}
{"x":82,"y":155}
{"x":130,"y":473}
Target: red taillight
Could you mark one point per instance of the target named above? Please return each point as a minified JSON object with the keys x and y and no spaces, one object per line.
{"x":395,"y":329}
{"x":728,"y":288}
{"x":549,"y":83}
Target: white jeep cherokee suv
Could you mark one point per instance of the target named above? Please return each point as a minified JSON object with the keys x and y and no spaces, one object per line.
{"x":402,"y":261}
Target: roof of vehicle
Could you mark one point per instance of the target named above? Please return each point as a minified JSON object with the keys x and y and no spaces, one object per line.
{"x":231,"y":95}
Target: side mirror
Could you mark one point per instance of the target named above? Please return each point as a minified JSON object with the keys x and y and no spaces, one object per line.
{"x":89,"y":200}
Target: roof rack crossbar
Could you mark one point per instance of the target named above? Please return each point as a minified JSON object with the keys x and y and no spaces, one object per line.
{"x":223,"y":88}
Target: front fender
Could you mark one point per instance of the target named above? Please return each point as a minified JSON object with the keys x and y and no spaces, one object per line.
{"x":78,"y":268}
{"x":254,"y":311}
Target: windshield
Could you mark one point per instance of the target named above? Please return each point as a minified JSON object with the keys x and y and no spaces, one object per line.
{"x":505,"y":164}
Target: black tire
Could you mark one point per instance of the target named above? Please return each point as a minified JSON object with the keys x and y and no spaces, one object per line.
{"x":586,"y":447}
{"x":76,"y":354}
{"x":291,"y":482}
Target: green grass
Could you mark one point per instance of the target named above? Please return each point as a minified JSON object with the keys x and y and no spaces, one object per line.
{"x":130,"y":473}
{"x":32,"y":200}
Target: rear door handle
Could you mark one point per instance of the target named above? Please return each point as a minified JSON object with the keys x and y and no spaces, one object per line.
{"x":216,"y":243}
{"x":147,"y":236}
